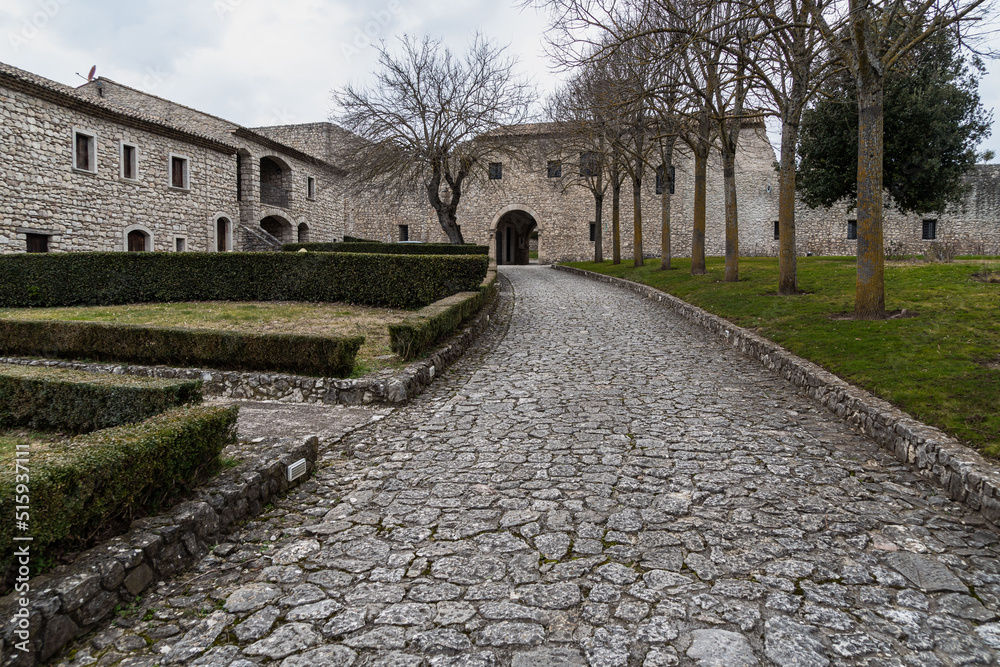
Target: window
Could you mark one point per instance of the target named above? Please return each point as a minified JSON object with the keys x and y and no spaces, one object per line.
{"x":593,"y":232}
{"x":496,"y":171}
{"x":555,"y":168}
{"x":852,"y":230}
{"x":929,"y":230}
{"x":179,"y":173}
{"x":129,"y":157}
{"x":180,"y":244}
{"x":84,"y":151}
{"x":37,"y":242}
{"x":310,"y":188}
{"x":660,"y":181}
{"x":222,"y":240}
{"x":589,"y":164}
{"x":404,"y":232}
{"x":777,"y":230}
{"x":239,"y":177}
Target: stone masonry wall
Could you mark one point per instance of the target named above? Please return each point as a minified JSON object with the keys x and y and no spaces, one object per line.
{"x":42,"y":192}
{"x":323,"y":215}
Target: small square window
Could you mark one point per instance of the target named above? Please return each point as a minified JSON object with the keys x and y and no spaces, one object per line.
{"x":129,"y":162}
{"x":84,"y":151}
{"x":180,"y":244}
{"x":593,"y":232}
{"x":496,"y":171}
{"x":179,"y":173}
{"x":777,"y":230}
{"x":37,"y":242}
{"x":404,"y":232}
{"x":589,"y":164}
{"x":852,"y":230}
{"x":555,"y":168}
{"x":311,"y":188}
{"x":929,"y":231}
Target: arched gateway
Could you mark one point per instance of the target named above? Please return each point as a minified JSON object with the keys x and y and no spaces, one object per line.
{"x":512,"y":231}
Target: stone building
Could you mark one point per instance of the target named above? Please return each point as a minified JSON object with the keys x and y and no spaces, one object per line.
{"x":108,"y":167}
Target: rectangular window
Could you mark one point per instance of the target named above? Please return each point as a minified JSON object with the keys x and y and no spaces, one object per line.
{"x":38,"y":242}
{"x":180,"y":243}
{"x":589,"y":163}
{"x":496,"y":171}
{"x":659,"y":180}
{"x":929,"y":230}
{"x":672,"y":179}
{"x":84,"y":151}
{"x":239,"y":177}
{"x":593,"y":232}
{"x":179,"y":173}
{"x":852,"y":230}
{"x":130,"y":162}
{"x":311,"y":188}
{"x":555,"y":168}
{"x":777,"y":230}
{"x":404,"y":232}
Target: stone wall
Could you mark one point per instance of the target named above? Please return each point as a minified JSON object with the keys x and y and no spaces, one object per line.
{"x":42,"y":192}
{"x":322,"y":215}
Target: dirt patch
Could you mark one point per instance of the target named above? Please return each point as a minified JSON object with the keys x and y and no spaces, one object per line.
{"x":987,"y":276}
{"x":889,"y":315}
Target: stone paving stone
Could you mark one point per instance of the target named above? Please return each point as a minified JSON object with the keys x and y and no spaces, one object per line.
{"x":597,"y":482}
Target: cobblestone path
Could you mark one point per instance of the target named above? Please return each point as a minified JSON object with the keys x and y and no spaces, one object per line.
{"x":598,"y":483}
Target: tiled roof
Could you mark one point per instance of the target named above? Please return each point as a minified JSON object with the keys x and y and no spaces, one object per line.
{"x":57,"y":93}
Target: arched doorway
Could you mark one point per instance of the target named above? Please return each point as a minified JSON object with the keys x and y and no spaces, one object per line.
{"x":513,"y":237}
{"x":223,"y":231}
{"x":137,"y":241}
{"x":278,"y":227}
{"x":303,"y":233}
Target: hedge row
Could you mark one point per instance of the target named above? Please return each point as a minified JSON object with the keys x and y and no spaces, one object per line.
{"x":78,"y":402}
{"x":417,"y":333}
{"x":390,"y":248}
{"x":96,"y":481}
{"x":225,"y":350}
{"x":109,"y":278}
{"x":355,"y":239}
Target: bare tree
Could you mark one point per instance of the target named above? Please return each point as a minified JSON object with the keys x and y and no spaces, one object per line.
{"x":434,"y":120}
{"x":581,"y":136}
{"x":794,"y":61}
{"x":869,"y":37}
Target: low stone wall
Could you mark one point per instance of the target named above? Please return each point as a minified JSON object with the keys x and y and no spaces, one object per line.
{"x":386,"y":387}
{"x":74,"y":598}
{"x":965,"y":475}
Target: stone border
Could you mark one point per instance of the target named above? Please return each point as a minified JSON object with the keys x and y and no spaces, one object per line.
{"x":72,"y":599}
{"x":965,"y":475}
{"x":383,"y":387}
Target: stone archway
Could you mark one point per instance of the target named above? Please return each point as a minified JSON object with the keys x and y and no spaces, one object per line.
{"x":280,"y":228}
{"x":512,"y":232}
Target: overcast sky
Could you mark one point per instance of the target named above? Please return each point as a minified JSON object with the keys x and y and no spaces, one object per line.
{"x":261,"y":62}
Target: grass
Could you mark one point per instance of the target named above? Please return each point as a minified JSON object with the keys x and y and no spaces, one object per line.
{"x":251,"y":317}
{"x":942,"y":365}
{"x":36,"y":441}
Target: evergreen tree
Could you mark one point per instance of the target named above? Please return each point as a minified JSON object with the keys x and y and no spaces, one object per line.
{"x":933,"y":121}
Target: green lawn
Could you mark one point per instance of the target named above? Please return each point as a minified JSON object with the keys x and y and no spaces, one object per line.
{"x":941,"y":366}
{"x":251,"y":317}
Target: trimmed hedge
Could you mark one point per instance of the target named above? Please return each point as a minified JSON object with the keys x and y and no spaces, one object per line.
{"x":78,"y":402}
{"x":225,"y":350}
{"x":111,"y":278}
{"x":390,"y":248}
{"x":355,"y":239}
{"x":96,"y":481}
{"x":417,"y":333}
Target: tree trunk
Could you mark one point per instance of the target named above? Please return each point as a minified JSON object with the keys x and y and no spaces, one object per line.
{"x":787,"y":269}
{"x":869,"y":299}
{"x":732,"y":214}
{"x":616,"y":200}
{"x":698,"y":227}
{"x":665,"y":253}
{"x":449,"y":225}
{"x":598,"y":225}
{"x":637,"y":218}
